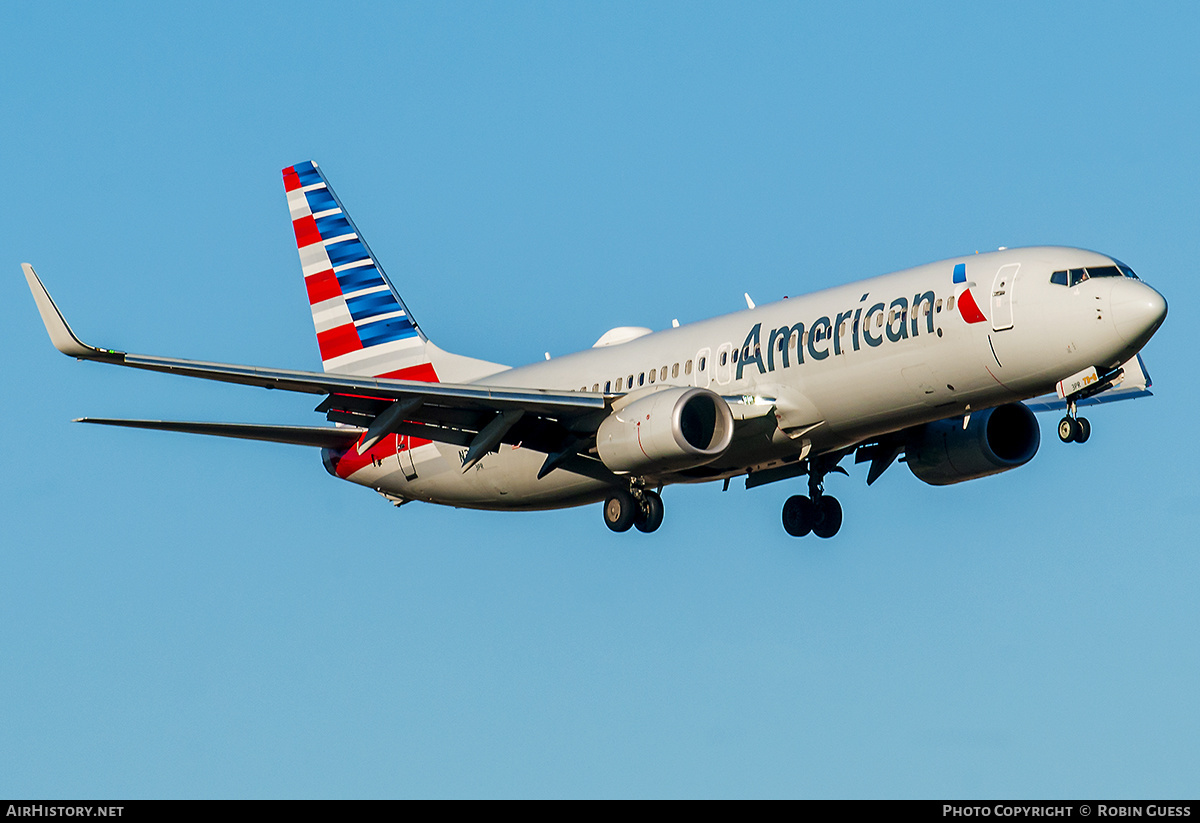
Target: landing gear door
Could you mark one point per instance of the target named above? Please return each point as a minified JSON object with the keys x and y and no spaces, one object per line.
{"x":1002,"y":290}
{"x":404,"y":455}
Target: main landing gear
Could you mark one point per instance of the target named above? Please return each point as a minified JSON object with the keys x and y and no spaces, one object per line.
{"x":818,"y":513}
{"x":1072,"y":428}
{"x":639,"y":507}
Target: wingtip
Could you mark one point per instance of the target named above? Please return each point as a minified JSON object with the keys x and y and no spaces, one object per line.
{"x":56,"y":325}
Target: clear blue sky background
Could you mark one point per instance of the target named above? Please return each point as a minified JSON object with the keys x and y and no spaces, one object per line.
{"x":182,"y":616}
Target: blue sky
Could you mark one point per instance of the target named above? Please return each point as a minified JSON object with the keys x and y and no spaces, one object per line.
{"x":185,"y":617}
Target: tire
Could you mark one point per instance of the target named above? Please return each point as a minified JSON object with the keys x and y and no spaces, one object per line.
{"x":1066,"y":430}
{"x":1083,"y":430}
{"x":829,"y":517}
{"x":650,"y":515}
{"x":619,"y":511}
{"x":798,"y":514}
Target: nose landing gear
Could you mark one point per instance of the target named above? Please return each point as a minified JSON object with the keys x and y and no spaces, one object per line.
{"x":1072,"y":428}
{"x":818,"y":513}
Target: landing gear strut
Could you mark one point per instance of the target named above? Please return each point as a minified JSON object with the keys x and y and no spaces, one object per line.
{"x":639,"y":506}
{"x":818,"y":513}
{"x":1072,"y":428}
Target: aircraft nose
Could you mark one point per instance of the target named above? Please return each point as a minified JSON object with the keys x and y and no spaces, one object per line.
{"x":1137,"y":311}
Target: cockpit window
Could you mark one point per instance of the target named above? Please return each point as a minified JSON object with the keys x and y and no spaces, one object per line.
{"x":1074,"y":277}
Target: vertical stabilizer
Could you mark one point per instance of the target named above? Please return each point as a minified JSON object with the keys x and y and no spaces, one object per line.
{"x":362,"y":325}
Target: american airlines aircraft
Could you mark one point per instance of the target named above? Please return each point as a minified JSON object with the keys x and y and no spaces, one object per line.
{"x":929,"y":365}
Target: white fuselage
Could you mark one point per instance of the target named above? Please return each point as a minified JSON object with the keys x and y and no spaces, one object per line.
{"x":822,"y":372}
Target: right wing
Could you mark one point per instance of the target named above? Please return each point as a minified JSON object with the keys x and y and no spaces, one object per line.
{"x":561,"y":424}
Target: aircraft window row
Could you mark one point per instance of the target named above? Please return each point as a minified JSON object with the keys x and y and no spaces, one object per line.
{"x":817,"y":335}
{"x":659,"y":374}
{"x":1073,"y":277}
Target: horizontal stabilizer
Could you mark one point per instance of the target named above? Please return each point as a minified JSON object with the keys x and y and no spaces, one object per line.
{"x":319,"y":436}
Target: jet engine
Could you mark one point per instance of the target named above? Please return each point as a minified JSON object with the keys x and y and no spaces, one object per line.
{"x":994,"y":441}
{"x":668,"y":430}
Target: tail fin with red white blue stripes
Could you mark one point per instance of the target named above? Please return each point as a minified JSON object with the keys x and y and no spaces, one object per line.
{"x":362,"y":324}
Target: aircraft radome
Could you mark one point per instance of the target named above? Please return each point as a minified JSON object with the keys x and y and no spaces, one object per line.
{"x":943,"y":364}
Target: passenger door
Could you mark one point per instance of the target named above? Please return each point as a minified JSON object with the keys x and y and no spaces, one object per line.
{"x":1002,"y":290}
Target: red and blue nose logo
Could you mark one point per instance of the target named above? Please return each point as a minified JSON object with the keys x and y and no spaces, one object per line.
{"x":967,"y":306}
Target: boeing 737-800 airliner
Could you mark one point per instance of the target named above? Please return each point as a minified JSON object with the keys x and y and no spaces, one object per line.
{"x":931,"y":363}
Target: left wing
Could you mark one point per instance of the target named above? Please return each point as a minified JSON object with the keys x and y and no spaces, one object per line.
{"x":560,"y":424}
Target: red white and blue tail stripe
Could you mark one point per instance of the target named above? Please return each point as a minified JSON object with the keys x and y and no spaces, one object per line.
{"x":362,"y":325}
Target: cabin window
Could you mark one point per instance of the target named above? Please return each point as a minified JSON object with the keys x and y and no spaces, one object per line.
{"x":595,"y":387}
{"x":701,"y":364}
{"x":939,"y":304}
{"x":674,"y":371}
{"x":663,"y":374}
{"x":950,"y":303}
{"x":618,"y":384}
{"x":652,"y":373}
{"x":607,"y":386}
{"x":629,"y":381}
{"x":642,"y":379}
{"x":724,"y":358}
{"x":687,"y":367}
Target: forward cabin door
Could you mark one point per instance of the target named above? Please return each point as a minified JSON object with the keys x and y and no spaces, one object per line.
{"x":1002,"y":290}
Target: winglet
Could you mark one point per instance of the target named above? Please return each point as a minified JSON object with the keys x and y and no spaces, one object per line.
{"x":56,"y":326}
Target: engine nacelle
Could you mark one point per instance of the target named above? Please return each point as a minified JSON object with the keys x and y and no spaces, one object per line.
{"x":668,"y":430}
{"x":995,"y":441}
